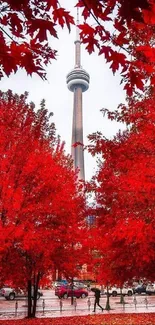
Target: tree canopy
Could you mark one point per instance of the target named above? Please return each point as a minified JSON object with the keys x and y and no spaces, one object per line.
{"x":124,"y":188}
{"x":42,"y":205}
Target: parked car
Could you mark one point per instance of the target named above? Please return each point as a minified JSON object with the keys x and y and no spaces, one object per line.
{"x":60,"y":283}
{"x":150,"y":289}
{"x":140,"y":288}
{"x":114,"y":291}
{"x":68,"y":291}
{"x":79,"y":284}
{"x":85,"y":283}
{"x":10,"y":293}
{"x":76,"y":283}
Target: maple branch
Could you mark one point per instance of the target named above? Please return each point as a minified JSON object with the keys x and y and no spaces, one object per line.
{"x":7,"y":34}
{"x":92,"y":14}
{"x":97,"y":21}
{"x":30,"y":48}
{"x":4,"y":8}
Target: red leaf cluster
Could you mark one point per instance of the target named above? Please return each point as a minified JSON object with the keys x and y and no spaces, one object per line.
{"x":24,"y":34}
{"x":123,"y":32}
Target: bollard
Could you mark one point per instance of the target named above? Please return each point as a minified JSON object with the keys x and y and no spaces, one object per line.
{"x":43,"y":306}
{"x":89,"y":303}
{"x":16,"y":307}
{"x":123,"y":304}
{"x":75,"y":303}
{"x":135,"y":302}
{"x":146,"y":302}
{"x":102,"y":290}
{"x":61,"y":304}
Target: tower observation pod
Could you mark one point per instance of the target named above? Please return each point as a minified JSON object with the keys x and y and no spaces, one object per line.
{"x":78,"y":82}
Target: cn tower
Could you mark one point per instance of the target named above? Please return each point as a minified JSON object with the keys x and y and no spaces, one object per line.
{"x":78,"y":82}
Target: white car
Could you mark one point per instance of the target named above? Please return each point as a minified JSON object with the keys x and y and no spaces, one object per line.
{"x":10,"y":293}
{"x":114,"y":291}
{"x":150,"y":289}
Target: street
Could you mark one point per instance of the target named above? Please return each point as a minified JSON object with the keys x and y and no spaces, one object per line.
{"x":50,"y":306}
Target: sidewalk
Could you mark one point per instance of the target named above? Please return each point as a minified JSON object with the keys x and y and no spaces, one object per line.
{"x":79,"y":311}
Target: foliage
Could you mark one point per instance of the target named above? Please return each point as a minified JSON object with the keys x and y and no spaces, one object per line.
{"x":26,"y":28}
{"x":120,"y":31}
{"x":41,"y":203}
{"x":124,"y":184}
{"x":123,"y":31}
{"x":124,"y":189}
{"x":113,"y":319}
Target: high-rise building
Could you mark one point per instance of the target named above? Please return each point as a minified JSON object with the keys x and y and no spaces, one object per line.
{"x":78,"y":82}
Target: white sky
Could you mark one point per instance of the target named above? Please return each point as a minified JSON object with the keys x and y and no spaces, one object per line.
{"x":104,"y":92}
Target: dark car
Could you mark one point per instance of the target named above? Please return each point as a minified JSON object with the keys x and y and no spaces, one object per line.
{"x":140,"y":288}
{"x":69,"y":291}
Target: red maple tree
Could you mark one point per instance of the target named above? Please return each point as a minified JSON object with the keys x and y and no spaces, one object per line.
{"x":42,"y":205}
{"x":124,"y":186}
{"x":124,"y":190}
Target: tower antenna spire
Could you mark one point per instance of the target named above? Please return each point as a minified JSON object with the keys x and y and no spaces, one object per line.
{"x":77,"y":43}
{"x":77,"y":20}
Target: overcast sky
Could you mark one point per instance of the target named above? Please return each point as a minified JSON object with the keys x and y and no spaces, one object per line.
{"x":104,"y":91}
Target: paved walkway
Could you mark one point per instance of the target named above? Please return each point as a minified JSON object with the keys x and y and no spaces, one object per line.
{"x":51,"y":306}
{"x":81,"y":310}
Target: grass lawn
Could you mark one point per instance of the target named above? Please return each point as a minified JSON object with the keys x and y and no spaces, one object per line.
{"x":113,"y":319}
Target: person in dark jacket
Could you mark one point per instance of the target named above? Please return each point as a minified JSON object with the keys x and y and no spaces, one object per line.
{"x":97,"y":298}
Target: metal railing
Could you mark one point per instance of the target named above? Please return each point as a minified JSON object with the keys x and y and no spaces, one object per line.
{"x":62,"y":306}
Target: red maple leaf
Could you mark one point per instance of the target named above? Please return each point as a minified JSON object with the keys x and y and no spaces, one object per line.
{"x":77,"y":144}
{"x":63,"y":17}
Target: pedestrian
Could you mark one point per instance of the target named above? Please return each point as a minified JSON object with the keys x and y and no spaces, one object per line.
{"x":97,"y":298}
{"x":88,"y":286}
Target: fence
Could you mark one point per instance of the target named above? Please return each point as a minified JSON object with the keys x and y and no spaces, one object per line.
{"x":81,"y":306}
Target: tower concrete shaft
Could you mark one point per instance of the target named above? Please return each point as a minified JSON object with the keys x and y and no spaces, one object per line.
{"x":78,"y":82}
{"x":77,"y":133}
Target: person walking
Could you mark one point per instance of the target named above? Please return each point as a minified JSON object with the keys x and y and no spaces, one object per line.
{"x":97,"y":298}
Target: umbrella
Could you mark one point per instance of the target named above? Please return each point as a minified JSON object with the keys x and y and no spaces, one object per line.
{"x":95,"y":290}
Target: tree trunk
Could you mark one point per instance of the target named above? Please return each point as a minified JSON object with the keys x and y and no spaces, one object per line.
{"x":36,"y":285}
{"x":107,"y":307}
{"x":29,"y":299}
{"x":121,"y":297}
{"x":72,"y":293}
